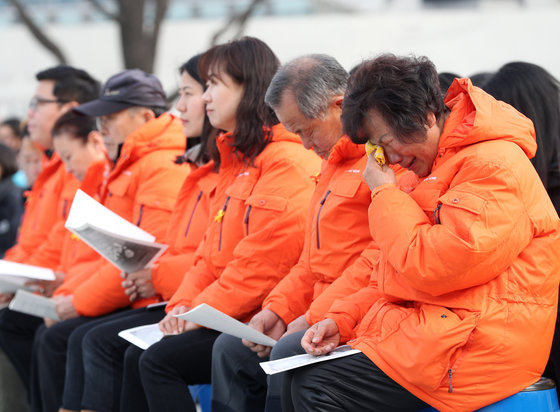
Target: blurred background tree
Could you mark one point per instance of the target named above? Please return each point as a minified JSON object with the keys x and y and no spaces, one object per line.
{"x":139,"y":23}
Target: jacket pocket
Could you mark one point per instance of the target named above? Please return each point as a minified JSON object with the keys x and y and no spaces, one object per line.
{"x":262,"y":210}
{"x":459,"y":210}
{"x":425,"y":341}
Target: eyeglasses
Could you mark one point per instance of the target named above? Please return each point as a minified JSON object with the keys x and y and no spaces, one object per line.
{"x":37,"y":101}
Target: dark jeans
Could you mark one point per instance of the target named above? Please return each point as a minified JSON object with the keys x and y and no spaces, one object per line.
{"x":103,"y":360}
{"x":167,"y":367}
{"x":239,"y":383}
{"x":352,"y":383}
{"x":17,"y":331}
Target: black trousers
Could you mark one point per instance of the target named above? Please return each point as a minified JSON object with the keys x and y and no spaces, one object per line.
{"x":17,"y":331}
{"x":352,"y":383}
{"x":167,"y":367}
{"x":239,"y":383}
{"x":103,"y":360}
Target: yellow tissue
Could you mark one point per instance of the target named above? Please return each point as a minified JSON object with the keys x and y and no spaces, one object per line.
{"x":379,"y":154}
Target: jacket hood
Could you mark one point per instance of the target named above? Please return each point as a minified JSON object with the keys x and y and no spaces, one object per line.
{"x":344,"y":149}
{"x":476,"y":116}
{"x":162,"y":133}
{"x":279,"y":134}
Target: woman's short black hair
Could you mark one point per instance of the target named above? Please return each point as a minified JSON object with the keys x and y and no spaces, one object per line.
{"x":403,"y":90}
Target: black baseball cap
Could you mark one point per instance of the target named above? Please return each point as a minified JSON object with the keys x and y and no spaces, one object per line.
{"x":129,"y":88}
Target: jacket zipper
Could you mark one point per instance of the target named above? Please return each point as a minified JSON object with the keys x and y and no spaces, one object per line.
{"x":140,"y":215}
{"x":322,"y":202}
{"x":64,"y":211}
{"x":223,"y":211}
{"x":450,"y":371}
{"x":192,"y":213}
{"x":436,"y":214}
{"x":246,"y":220}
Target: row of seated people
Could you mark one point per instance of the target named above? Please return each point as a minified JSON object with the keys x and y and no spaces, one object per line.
{"x":436,"y":263}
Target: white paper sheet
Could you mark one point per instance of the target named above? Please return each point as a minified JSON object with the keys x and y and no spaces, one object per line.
{"x":206,"y":315}
{"x":123,"y":244}
{"x":297,"y":361}
{"x":142,"y":336}
{"x":13,"y":276}
{"x":32,"y":304}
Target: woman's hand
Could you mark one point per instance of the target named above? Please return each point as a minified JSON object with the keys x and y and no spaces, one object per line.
{"x":321,"y":338}
{"x":376,"y":175}
{"x":138,"y":284}
{"x":65,"y":308}
{"x":170,"y":325}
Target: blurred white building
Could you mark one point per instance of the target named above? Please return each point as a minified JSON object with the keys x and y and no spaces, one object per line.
{"x":461,"y":36}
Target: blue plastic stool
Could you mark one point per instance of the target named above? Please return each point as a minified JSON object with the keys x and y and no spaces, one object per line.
{"x":539,"y":397}
{"x":202,"y":393}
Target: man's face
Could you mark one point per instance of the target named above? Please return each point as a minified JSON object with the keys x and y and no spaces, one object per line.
{"x":317,"y":134}
{"x":44,"y":110}
{"x":116,"y":127}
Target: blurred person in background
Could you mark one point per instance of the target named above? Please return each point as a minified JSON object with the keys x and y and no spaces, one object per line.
{"x":10,"y":133}
{"x":30,"y":160}
{"x":11,"y":206}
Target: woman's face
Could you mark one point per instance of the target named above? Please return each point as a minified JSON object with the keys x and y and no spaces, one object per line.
{"x":190,"y":105}
{"x":77,"y":155}
{"x":222,"y":98}
{"x":417,"y":157}
{"x":30,"y":160}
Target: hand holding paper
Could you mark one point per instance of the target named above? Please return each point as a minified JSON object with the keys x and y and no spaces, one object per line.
{"x":123,"y":244}
{"x":209,"y":317}
{"x":14,"y":276}
{"x":268,"y":323}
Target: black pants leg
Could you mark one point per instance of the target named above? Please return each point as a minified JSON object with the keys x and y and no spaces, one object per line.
{"x":352,"y":383}
{"x":17,"y":331}
{"x":133,"y":398}
{"x":167,"y":367}
{"x":103,"y":359}
{"x":238,"y":381}
{"x":285,"y":347}
{"x":49,"y":364}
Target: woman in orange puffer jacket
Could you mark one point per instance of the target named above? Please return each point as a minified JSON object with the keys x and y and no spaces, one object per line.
{"x":460,"y":308}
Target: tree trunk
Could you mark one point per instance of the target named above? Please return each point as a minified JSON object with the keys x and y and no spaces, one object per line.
{"x":140,"y":23}
{"x":39,"y":34}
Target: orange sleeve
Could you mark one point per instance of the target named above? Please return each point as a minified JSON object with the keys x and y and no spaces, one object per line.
{"x":168,"y":274}
{"x":354,"y":278}
{"x":293,"y":294}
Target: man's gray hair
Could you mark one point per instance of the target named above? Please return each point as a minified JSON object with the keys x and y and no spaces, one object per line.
{"x":313,"y":79}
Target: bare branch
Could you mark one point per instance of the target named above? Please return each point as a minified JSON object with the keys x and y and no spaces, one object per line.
{"x":37,"y":32}
{"x":239,"y":20}
{"x":101,"y":8}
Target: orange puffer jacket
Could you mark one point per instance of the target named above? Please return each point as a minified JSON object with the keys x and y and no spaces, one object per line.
{"x":74,"y":251}
{"x":43,"y":210}
{"x":187,"y":225}
{"x":461,"y":305}
{"x":336,"y":232}
{"x":142,"y":188}
{"x":257,"y":232}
